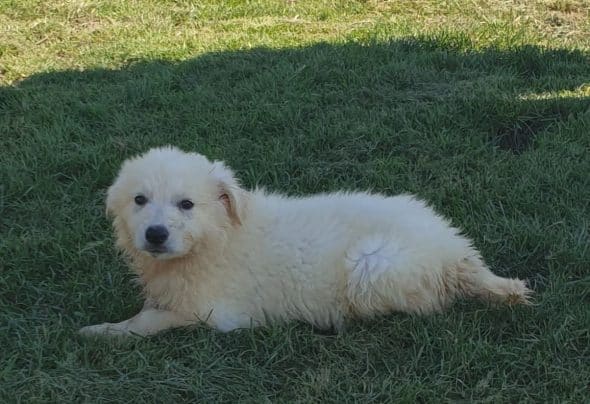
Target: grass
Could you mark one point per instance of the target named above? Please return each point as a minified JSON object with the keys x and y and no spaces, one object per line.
{"x":481,"y":107}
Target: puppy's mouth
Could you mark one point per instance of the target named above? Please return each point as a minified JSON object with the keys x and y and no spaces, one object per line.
{"x":156,"y":251}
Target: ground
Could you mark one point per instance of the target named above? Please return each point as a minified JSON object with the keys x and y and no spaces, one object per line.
{"x":480,"y":107}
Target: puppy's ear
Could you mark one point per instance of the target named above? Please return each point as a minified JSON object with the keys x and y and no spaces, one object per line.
{"x":116,"y":190}
{"x":229,"y":192}
{"x":111,"y":200}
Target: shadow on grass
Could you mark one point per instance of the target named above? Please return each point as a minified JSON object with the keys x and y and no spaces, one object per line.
{"x":417,"y":115}
{"x":481,"y":134}
{"x":308,"y":99}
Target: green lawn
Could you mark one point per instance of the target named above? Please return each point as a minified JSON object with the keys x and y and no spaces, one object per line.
{"x":481,"y":107}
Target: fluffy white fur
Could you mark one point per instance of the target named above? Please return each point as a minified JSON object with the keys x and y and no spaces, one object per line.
{"x":243,"y":258}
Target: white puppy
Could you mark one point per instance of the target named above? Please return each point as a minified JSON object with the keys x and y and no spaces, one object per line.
{"x":206,"y":250}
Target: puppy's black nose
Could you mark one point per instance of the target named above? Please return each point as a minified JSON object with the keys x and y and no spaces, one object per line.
{"x":156,"y":234}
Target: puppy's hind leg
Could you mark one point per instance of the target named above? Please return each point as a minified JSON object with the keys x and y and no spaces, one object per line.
{"x":386,"y":276}
{"x":472,"y":278}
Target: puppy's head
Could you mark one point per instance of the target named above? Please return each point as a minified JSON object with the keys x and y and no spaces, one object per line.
{"x":167,"y":203}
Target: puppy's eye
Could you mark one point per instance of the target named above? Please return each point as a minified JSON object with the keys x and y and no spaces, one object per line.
{"x":140,"y":200}
{"x":186,"y":204}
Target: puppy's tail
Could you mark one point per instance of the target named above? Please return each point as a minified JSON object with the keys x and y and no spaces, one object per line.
{"x":473,"y":278}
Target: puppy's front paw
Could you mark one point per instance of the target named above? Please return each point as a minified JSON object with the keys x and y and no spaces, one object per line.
{"x":104,"y":329}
